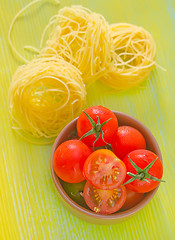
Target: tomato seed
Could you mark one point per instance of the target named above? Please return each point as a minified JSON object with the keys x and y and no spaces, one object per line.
{"x":111,"y":202}
{"x":99,"y":160}
{"x":95,"y":190}
{"x":105,"y":160}
{"x":95,"y":171}
{"x":115,"y":195}
{"x":98,"y":200}
{"x":114,"y":178}
{"x":96,"y":209}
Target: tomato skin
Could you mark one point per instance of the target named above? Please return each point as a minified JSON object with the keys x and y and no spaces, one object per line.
{"x":104,"y":170}
{"x":132,"y":199}
{"x":142,"y":158}
{"x":83,"y":125}
{"x":126,"y":140}
{"x":69,"y":159}
{"x":104,"y":201}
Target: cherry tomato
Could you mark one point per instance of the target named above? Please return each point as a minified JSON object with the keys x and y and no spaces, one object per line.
{"x":104,"y":170}
{"x":146,"y":170}
{"x":101,"y":126}
{"x":126,"y":140}
{"x":75,"y":191}
{"x":69,"y":159}
{"x":104,"y":201}
{"x":132,"y":199}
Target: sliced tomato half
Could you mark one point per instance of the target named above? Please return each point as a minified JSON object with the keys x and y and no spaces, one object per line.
{"x":104,"y":201}
{"x":104,"y":170}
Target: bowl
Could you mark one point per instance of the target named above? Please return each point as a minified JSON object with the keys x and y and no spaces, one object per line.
{"x":86,"y":214}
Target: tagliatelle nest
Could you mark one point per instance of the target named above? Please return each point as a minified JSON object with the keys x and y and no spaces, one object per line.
{"x":82,"y":38}
{"x":44,"y":96}
{"x":133,"y":56}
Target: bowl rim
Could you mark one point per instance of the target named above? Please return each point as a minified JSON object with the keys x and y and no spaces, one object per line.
{"x":82,"y":210}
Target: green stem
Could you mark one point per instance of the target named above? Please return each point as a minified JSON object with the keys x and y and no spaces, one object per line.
{"x":96,"y":129}
{"x":142,"y":174}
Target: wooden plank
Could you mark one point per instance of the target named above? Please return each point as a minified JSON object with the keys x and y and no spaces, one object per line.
{"x":29,"y":207}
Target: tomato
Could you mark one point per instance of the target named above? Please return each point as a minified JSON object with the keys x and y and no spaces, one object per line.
{"x":144,"y":170}
{"x":69,"y":159}
{"x":75,"y":191}
{"x":96,"y":126}
{"x":104,"y":201}
{"x":132,"y":199}
{"x":104,"y":170}
{"x":126,"y":140}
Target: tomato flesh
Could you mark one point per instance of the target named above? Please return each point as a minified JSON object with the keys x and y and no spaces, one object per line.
{"x":104,"y":170}
{"x":126,"y":140}
{"x":104,"y":201}
{"x":142,"y":158}
{"x":69,"y":159}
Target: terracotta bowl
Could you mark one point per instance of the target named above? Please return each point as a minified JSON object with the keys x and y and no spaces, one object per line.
{"x":87,"y":214}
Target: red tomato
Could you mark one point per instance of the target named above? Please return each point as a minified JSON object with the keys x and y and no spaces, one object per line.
{"x":104,"y":201}
{"x":104,"y":170}
{"x":126,"y":140}
{"x":97,"y":128}
{"x":69,"y":159}
{"x":145,"y":182}
{"x":132,"y":199}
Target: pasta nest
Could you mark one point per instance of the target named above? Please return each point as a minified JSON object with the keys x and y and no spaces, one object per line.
{"x":133,"y":56}
{"x":45,"y":95}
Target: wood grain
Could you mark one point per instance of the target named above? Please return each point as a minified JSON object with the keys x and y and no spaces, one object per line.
{"x":29,"y":207}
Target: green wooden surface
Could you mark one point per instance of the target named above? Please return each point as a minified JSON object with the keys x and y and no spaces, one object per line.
{"x":29,"y":206}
